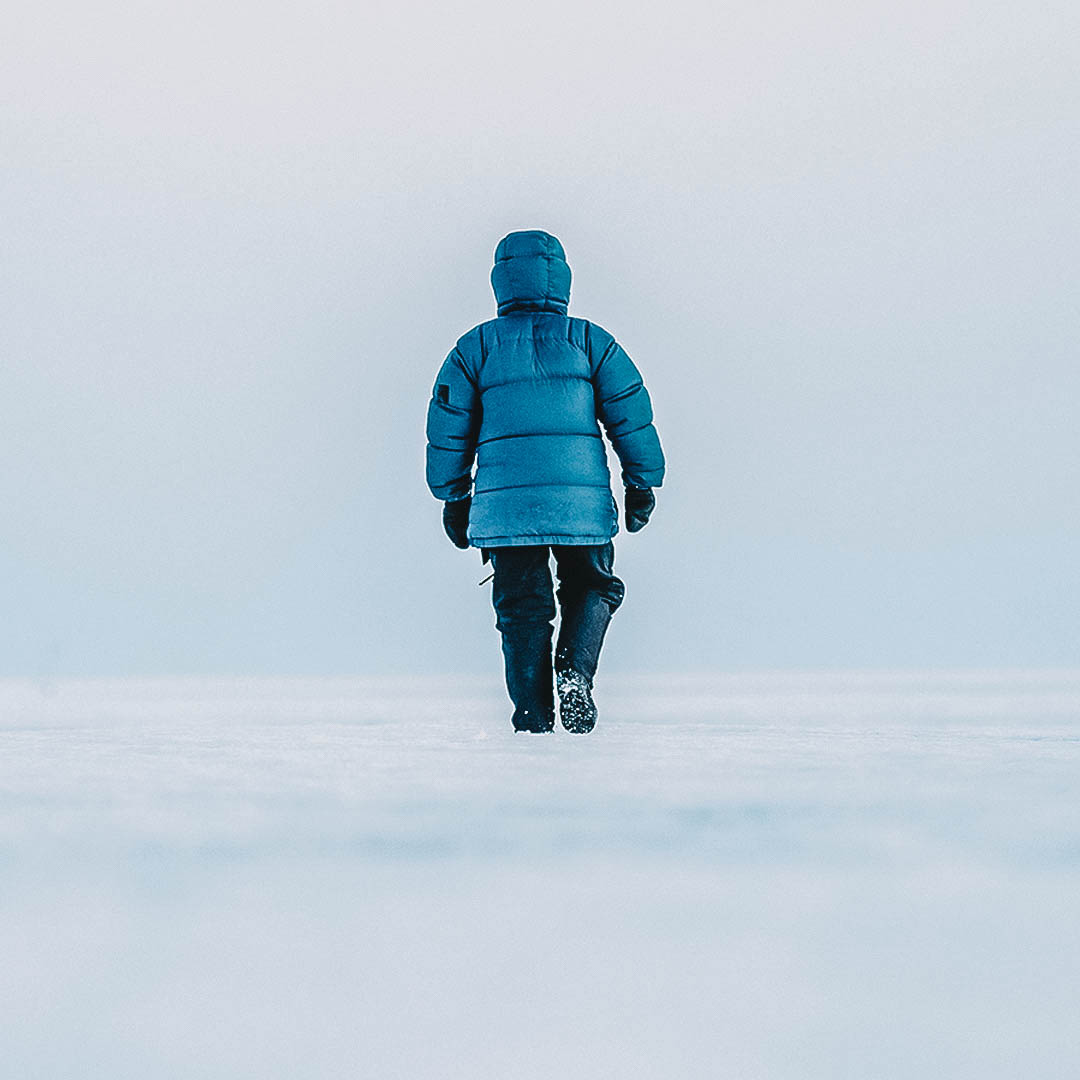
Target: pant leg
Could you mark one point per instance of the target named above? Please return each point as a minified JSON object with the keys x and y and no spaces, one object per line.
{"x":524,"y":610}
{"x":589,"y":595}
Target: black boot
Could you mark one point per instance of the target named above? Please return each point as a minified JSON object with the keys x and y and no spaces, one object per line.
{"x":527,"y":653}
{"x":576,"y":708}
{"x":528,"y":723}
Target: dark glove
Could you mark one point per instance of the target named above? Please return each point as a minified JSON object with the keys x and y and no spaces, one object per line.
{"x":638,"y":503}
{"x":455,"y":520}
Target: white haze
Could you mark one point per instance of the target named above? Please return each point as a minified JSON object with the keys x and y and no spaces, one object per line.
{"x":840,"y":241}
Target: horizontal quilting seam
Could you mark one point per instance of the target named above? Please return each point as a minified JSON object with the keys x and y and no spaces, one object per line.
{"x":450,"y":449}
{"x":519,"y":487}
{"x":633,"y":431}
{"x":622,"y":394}
{"x":445,"y":406}
{"x":543,"y":435}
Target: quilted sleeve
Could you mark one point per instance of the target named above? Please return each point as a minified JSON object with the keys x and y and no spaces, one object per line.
{"x":453,"y":420}
{"x":624,"y":408}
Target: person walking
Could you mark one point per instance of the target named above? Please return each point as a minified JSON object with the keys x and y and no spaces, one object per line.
{"x":524,"y":395}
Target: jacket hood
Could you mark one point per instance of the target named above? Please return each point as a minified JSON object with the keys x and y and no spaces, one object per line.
{"x":530,"y":273}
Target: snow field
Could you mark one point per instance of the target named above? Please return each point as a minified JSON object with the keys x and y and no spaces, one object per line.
{"x":761,"y":875}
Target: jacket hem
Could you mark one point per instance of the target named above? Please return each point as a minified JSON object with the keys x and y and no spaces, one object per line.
{"x":556,"y":539}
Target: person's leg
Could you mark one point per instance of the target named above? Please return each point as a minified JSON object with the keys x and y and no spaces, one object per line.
{"x":524,"y":610}
{"x":589,"y":594}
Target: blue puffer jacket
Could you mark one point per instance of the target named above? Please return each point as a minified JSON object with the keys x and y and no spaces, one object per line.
{"x":522,"y":395}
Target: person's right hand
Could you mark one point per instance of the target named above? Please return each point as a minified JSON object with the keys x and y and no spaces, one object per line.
{"x":455,"y":520}
{"x":638,"y":504}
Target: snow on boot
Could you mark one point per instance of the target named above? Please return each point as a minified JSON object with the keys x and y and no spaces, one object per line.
{"x":576,"y":708}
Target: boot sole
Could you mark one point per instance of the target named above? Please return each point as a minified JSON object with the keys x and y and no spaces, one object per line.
{"x":576,"y":712}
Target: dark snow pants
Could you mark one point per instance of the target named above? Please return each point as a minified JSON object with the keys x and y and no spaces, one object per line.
{"x":589,"y":593}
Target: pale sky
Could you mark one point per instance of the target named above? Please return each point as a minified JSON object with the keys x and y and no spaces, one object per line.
{"x":840,"y":242}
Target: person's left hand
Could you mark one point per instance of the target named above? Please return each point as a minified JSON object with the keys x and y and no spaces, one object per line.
{"x":455,"y":519}
{"x":638,"y":504}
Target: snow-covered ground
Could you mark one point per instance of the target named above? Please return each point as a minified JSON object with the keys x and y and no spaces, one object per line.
{"x":774,"y":875}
